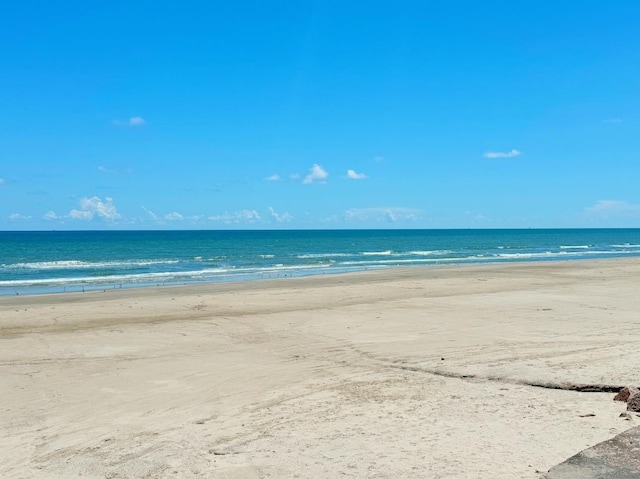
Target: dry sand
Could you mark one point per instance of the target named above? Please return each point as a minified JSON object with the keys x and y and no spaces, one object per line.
{"x":421,"y":372}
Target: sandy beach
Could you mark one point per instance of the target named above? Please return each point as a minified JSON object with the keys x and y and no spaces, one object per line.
{"x":459,"y":371}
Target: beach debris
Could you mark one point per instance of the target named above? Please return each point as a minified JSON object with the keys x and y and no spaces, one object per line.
{"x":626,"y":393}
{"x":630,"y":395}
{"x":633,"y":404}
{"x":222,"y":453}
{"x":626,"y":416}
{"x":588,"y":415}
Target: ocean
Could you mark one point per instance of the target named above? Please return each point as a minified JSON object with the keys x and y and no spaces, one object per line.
{"x":55,"y":262}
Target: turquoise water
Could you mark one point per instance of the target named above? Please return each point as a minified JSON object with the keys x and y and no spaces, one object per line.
{"x":47,"y":262}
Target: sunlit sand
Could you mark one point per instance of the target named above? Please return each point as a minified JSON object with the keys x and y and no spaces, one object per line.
{"x":459,"y":371}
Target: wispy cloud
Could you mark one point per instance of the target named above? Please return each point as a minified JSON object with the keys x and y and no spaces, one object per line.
{"x":114,"y":171}
{"x":133,"y":121}
{"x":50,"y":215}
{"x":280,"y":217}
{"x":613,"y":120}
{"x":137,"y":121}
{"x":151,"y":214}
{"x":274,"y":177}
{"x":613,"y":208}
{"x":387,"y":214}
{"x":352,"y":175}
{"x":378,"y":159}
{"x":502,"y":154}
{"x":3,"y":181}
{"x":19,"y":217}
{"x":173,"y":216}
{"x":316,"y":174}
{"x":95,"y":207}
{"x":242,"y":216}
{"x":477,"y":216}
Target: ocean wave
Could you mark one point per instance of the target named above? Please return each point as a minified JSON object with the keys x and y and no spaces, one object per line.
{"x":487,"y":258}
{"x":206,"y":265}
{"x":412,"y":261}
{"x":112,"y":279}
{"x":322,"y":255}
{"x":560,"y":254}
{"x":429,"y":252}
{"x":530,"y":255}
{"x":76,"y":264}
{"x":160,"y":277}
{"x":282,"y":267}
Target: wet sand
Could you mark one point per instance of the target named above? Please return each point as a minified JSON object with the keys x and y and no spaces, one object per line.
{"x":453,"y":371}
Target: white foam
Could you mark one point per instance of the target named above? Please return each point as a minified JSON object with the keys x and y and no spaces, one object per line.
{"x":487,"y":258}
{"x":81,"y":270}
{"x":430,"y":252}
{"x":322,"y":255}
{"x":75,"y":264}
{"x":114,"y":279}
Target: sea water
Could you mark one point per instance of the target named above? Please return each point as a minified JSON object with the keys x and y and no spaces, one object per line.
{"x":49,"y":262}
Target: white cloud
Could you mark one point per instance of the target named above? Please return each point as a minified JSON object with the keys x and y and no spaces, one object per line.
{"x":477,"y":217}
{"x":274,"y":177}
{"x":114,"y":171}
{"x":294,"y":176}
{"x":242,"y":216}
{"x":352,"y":175}
{"x":50,"y":215}
{"x":502,"y":154}
{"x":280,"y":217}
{"x":173,"y":216}
{"x":378,"y":159}
{"x":391,"y":214}
{"x":316,"y":173}
{"x":81,"y":215}
{"x":151,"y":214}
{"x":94,"y":207}
{"x":18,"y":217}
{"x":133,"y":121}
{"x":613,"y":208}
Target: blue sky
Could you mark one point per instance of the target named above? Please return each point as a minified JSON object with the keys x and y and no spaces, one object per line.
{"x":326,"y":114}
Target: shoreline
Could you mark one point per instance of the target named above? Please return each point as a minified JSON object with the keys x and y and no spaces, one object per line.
{"x":83,"y":261}
{"x":330,"y":274}
{"x":404,"y":372}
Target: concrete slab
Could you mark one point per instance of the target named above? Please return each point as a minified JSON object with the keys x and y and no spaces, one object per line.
{"x":617,"y":458}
